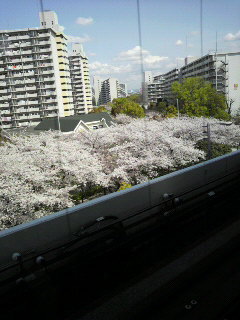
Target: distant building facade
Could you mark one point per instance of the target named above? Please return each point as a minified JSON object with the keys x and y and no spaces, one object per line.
{"x":221,"y":69}
{"x":107,"y":90}
{"x":80,"y":80}
{"x":35,"y":78}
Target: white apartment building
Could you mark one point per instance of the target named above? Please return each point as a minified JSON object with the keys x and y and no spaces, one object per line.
{"x":155,"y":89}
{"x":107,"y":90}
{"x":97,"y":86}
{"x":34,"y":82}
{"x":122,"y":90}
{"x":148,"y":77}
{"x":222,"y":70}
{"x":79,"y":72}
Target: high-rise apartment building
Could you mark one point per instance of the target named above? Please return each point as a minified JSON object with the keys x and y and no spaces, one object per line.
{"x":107,"y":90}
{"x":155,"y":89}
{"x":79,"y":72}
{"x":34,"y":77}
{"x":97,"y":86}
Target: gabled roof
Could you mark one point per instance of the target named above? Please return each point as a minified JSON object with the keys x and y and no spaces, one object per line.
{"x":68,"y":124}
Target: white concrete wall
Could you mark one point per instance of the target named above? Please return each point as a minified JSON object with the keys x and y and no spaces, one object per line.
{"x":234,"y":80}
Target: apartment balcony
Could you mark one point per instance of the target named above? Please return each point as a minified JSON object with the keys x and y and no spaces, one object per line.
{"x":20,"y":89}
{"x":4,"y":98}
{"x":5,"y":113}
{"x":32,"y":95}
{"x":20,"y":96}
{"x":35,"y":116}
{"x":44,"y":34}
{"x":3,"y":91}
{"x":6,"y":126}
{"x":27,"y":59}
{"x":45,"y":50}
{"x":2,"y":69}
{"x":51,"y":115}
{"x":50,"y":86}
{"x":20,"y":110}
{"x":42,"y":65}
{"x":26,"y":52}
{"x":22,"y":118}
{"x":4,"y":105}
{"x":51,"y":108}
{"x":33,"y":102}
{"x":43,"y":43}
{"x":48,"y":79}
{"x":25,"y":44}
{"x":48,"y":71}
{"x":28,"y":66}
{"x":50,"y":101}
{"x":3,"y":84}
{"x":34,"y":109}
{"x":29,"y":81}
{"x":31,"y":88}
{"x":16,"y":75}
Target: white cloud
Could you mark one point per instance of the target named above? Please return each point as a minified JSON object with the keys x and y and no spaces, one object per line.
{"x":83,"y":39}
{"x":133,"y":56}
{"x":232,"y":37}
{"x":179,"y":43}
{"x":180,"y":59}
{"x":84,"y":21}
{"x":149,"y":59}
{"x":100,"y":68}
{"x":126,"y":67}
{"x":91,"y":54}
{"x":171,"y":66}
{"x":190,"y":45}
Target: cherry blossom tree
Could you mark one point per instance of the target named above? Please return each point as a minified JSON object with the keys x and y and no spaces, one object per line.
{"x":40,"y":173}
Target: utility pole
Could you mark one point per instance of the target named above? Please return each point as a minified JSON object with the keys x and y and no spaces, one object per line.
{"x":59,"y":128}
{"x":216,"y":63}
{"x":208,"y":132}
{"x":201,"y":28}
{"x":178,"y":109}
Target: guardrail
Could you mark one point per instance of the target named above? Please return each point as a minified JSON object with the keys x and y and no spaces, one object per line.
{"x":45,"y":234}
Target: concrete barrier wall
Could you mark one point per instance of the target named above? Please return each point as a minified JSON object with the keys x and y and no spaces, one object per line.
{"x":58,"y":228}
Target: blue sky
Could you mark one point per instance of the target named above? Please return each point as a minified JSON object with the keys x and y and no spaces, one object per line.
{"x":109,"y":33}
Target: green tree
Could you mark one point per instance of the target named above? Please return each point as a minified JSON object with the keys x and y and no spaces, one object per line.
{"x":135,"y":98}
{"x":98,"y":110}
{"x":167,"y":111}
{"x":217,"y":149}
{"x":197,"y":97}
{"x":130,"y":108}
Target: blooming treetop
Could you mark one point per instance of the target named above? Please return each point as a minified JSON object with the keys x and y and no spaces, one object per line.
{"x":39,"y":172}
